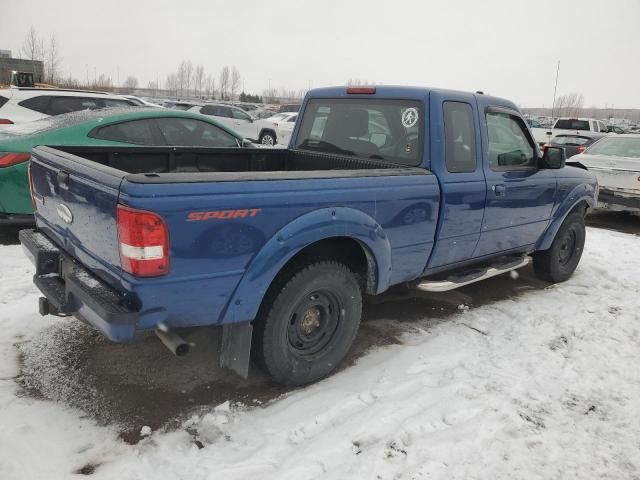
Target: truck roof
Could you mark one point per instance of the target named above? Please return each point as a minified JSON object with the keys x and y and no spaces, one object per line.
{"x":396,"y":91}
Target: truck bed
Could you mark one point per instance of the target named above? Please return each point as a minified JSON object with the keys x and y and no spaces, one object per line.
{"x":191,"y":164}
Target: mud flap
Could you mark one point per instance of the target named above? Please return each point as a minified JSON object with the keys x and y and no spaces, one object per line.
{"x":235,"y":352}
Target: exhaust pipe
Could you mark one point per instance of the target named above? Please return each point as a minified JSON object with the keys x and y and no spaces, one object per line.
{"x":174,"y":342}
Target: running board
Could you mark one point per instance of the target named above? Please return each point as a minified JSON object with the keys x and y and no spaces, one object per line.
{"x":458,"y":281}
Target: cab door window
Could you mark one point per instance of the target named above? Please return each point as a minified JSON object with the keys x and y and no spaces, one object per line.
{"x":510,"y":146}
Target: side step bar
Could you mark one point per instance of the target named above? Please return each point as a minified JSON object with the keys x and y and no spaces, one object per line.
{"x":454,"y":282}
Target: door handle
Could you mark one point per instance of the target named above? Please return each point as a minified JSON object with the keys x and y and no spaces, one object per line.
{"x":499,"y":189}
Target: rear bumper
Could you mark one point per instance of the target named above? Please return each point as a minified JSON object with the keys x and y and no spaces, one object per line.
{"x":70,"y":289}
{"x":618,"y":200}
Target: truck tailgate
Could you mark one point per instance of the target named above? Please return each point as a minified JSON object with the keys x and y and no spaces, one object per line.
{"x":75,"y":205}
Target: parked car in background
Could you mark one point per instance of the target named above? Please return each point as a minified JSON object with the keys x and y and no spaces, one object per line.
{"x":616,"y":129}
{"x":141,"y":101}
{"x":179,"y":105}
{"x":534,"y":123}
{"x":231,"y":116}
{"x":577,"y":126}
{"x":124,"y":126}
{"x":19,"y":105}
{"x":289,"y":107}
{"x":276,"y":129}
{"x":572,"y":144}
{"x":261,"y":114}
{"x":615,"y":161}
{"x":247,"y":107}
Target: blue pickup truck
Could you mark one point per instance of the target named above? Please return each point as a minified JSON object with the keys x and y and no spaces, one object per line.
{"x":379,"y":186}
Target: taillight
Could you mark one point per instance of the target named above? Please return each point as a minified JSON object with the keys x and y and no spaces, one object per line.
{"x":8,"y":159}
{"x":144,"y":242}
{"x":581,"y":149}
{"x":5,"y":121}
{"x":361,"y":90}
{"x":31,"y":189}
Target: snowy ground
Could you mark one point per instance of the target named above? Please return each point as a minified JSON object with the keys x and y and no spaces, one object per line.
{"x":540,"y":384}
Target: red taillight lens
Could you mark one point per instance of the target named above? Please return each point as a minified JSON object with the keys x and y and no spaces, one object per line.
{"x":8,"y":159}
{"x":5,"y":121}
{"x":361,"y":90}
{"x":144,"y":242}
{"x":581,"y":149}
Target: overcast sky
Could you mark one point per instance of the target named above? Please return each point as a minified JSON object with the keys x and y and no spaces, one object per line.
{"x":508,"y":48}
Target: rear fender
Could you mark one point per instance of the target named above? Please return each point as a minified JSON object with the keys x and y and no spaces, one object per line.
{"x":301,"y":232}
{"x":581,"y":193}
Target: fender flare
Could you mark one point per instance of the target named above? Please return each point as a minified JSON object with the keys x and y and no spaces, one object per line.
{"x":303,"y":231}
{"x":581,"y":193}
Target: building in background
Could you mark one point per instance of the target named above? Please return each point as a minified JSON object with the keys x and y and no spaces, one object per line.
{"x":8,"y":64}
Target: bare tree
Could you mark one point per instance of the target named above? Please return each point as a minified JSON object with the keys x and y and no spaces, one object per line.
{"x":33,"y":48}
{"x":188,"y":76}
{"x":102,"y":82}
{"x":199,"y":80}
{"x":235,"y":81}
{"x":569,"y":105}
{"x":130,"y":83}
{"x":172,"y":84}
{"x":52,"y":60}
{"x":224,"y":83}
{"x":210,"y":88}
{"x":270,"y":95}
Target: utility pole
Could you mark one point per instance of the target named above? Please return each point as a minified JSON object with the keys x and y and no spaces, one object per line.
{"x":86,"y":66}
{"x":555,"y":89}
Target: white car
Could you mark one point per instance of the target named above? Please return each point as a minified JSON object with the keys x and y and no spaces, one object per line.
{"x":276,"y":129}
{"x":269,"y":131}
{"x":615,"y":161}
{"x":19,"y":105}
{"x":568,"y":126}
{"x":230,"y":116}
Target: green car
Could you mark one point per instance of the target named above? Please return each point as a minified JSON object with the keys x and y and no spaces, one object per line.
{"x":122,"y":126}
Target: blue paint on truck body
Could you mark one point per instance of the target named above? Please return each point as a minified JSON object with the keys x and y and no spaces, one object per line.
{"x":409,"y":225}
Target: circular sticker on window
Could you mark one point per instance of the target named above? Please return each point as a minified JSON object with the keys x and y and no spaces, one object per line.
{"x":410,"y":117}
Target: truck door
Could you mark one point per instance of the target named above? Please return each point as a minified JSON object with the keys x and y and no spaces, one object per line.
{"x":457,"y":160}
{"x":520,"y":197}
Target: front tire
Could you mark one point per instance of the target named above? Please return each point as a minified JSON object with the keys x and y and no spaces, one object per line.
{"x":559,"y":262}
{"x":307,"y":327}
{"x":267,"y":138}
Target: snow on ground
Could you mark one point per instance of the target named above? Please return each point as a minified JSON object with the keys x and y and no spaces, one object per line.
{"x":545,"y":385}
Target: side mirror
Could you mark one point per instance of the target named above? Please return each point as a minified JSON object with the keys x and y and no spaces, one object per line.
{"x":553,"y":158}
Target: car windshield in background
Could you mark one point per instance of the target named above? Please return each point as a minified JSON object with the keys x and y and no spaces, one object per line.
{"x":570,"y":140}
{"x":572,"y":124}
{"x":389,"y":130}
{"x":617,"y":146}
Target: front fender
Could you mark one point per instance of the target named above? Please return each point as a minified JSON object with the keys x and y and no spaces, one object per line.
{"x":301,"y":232}
{"x":581,"y":193}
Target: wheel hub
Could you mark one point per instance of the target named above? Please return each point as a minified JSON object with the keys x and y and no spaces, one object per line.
{"x":310,"y":320}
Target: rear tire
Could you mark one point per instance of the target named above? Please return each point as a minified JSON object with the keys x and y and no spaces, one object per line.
{"x":267,"y":138}
{"x":306,"y":328}
{"x":559,"y":262}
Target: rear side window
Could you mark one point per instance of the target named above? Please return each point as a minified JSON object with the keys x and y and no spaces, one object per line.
{"x":196,"y":133}
{"x":137,"y":132}
{"x":510,"y":147}
{"x":459,"y":137}
{"x":216,"y":111}
{"x":3,"y":100}
{"x":37,"y":104}
{"x":239,"y":114}
{"x":391,"y":130}
{"x":572,"y":124}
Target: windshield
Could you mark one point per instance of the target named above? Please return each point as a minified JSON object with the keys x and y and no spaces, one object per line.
{"x":390,"y":130}
{"x":617,"y":146}
{"x":572,"y":124}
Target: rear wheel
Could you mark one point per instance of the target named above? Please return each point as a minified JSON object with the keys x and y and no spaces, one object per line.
{"x":307,"y":327}
{"x":559,"y":262}
{"x":267,"y":138}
